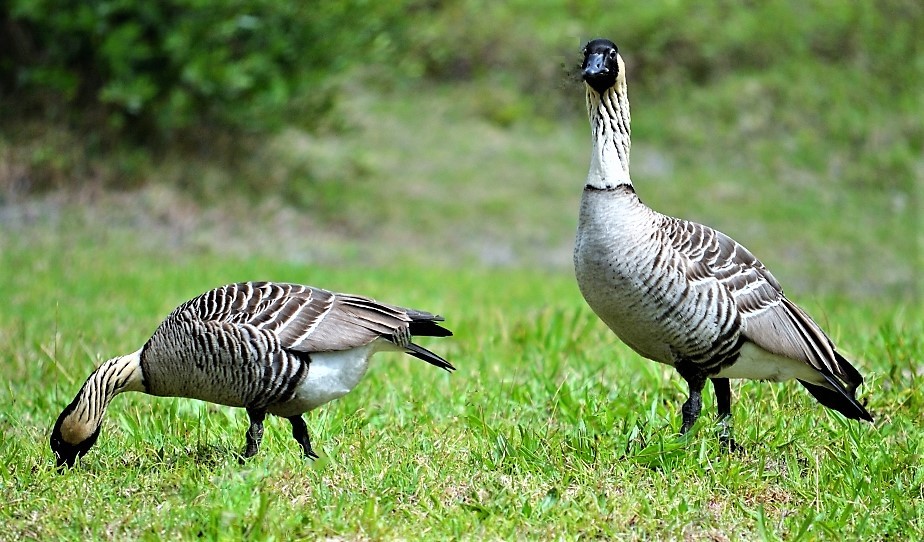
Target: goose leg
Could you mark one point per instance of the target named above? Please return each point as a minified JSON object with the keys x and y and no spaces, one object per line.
{"x":723,"y":402}
{"x":694,"y":403}
{"x":254,"y":432}
{"x":300,"y":433}
{"x":723,"y":397}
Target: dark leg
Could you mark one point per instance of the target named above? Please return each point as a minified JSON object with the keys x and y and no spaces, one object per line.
{"x":694,"y":403}
{"x":723,"y":402}
{"x":722,"y":396}
{"x":254,"y":432}
{"x":300,"y":432}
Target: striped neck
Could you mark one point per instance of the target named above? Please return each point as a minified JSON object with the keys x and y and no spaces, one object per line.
{"x":611,"y":129}
{"x":110,"y":379}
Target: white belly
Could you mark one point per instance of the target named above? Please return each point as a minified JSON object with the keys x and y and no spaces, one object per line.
{"x":755,"y":363}
{"x":331,"y":375}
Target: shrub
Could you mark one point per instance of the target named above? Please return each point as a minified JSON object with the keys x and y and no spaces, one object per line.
{"x":154,"y":68}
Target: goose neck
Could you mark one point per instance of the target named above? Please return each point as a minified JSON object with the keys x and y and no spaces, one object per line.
{"x":113,"y":377}
{"x":611,"y":130}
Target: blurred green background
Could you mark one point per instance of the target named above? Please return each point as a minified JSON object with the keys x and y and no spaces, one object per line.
{"x":453,"y":132}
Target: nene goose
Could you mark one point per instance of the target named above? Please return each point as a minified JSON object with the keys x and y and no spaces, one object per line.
{"x":681,"y":293}
{"x":276,"y":348}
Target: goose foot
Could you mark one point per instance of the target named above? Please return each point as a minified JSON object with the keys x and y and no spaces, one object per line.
{"x":300,"y":433}
{"x":254,"y":434}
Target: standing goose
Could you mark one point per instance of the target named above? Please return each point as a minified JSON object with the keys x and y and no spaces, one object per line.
{"x":275,"y":348}
{"x":681,"y":293}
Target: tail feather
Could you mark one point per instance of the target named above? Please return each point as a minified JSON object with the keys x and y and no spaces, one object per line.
{"x":850,"y":375}
{"x":424,"y":324}
{"x":428,"y":327}
{"x":428,"y":356}
{"x":838,"y":399}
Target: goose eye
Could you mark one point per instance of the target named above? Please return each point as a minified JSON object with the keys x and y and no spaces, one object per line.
{"x":612,"y":53}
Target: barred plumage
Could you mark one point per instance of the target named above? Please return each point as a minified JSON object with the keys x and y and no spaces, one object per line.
{"x":679,"y":292}
{"x":275,"y":348}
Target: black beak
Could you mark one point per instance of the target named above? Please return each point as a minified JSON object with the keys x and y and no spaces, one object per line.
{"x":599,"y":71}
{"x":64,"y":463}
{"x":594,"y":66}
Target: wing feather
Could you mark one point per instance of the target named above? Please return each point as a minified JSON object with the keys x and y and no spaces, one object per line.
{"x":308,"y":319}
{"x":767,"y":317}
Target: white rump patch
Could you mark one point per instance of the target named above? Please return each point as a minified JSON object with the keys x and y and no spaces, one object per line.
{"x":331,"y":375}
{"x":755,"y":363}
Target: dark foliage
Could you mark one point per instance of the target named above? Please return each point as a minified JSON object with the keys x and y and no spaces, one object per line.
{"x":148,"y":70}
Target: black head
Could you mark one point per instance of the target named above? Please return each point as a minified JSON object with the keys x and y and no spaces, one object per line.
{"x":66,"y":453}
{"x":601,"y":64}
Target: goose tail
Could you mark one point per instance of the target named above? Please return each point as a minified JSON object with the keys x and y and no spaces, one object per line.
{"x":838,"y":399}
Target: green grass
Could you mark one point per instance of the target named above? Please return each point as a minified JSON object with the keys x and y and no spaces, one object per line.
{"x":549,"y":429}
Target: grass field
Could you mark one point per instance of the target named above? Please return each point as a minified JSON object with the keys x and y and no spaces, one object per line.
{"x":549,"y":429}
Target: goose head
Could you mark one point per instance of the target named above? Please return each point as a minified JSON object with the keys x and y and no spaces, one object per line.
{"x":602,"y":66}
{"x":72,"y":436}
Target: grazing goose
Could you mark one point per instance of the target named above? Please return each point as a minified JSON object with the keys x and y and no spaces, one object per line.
{"x":682,"y":293}
{"x":275,"y":348}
